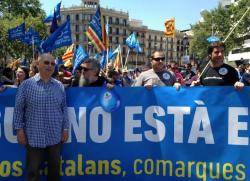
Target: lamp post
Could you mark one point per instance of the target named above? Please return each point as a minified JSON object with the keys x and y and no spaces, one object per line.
{"x":89,"y":47}
{"x":166,"y":49}
{"x":185,"y":43}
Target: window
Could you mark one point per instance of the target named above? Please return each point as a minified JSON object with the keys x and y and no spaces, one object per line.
{"x":110,"y":20}
{"x":117,"y":21}
{"x":77,"y":17}
{"x":77,"y":37}
{"x":124,"y":41}
{"x":125,"y":22}
{"x":117,"y":31}
{"x":110,"y":30}
{"x":68,"y":17}
{"x":125,"y":32}
{"x":110,"y":39}
{"x":117,"y":40}
{"x":77,"y":28}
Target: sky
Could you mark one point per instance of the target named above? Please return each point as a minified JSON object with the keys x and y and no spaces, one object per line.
{"x":153,"y":13}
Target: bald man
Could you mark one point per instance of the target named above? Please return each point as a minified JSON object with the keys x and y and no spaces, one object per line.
{"x":41,"y":119}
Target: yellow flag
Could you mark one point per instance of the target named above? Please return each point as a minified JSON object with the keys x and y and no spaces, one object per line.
{"x":68,"y":63}
{"x":117,"y":62}
{"x":170,"y":28}
{"x":69,"y":54}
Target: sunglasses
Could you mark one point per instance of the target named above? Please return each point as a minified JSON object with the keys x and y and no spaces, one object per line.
{"x":86,"y":69}
{"x":159,"y":59}
{"x":48,"y":62}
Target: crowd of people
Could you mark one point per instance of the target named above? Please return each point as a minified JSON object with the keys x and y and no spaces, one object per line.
{"x":40,"y":117}
{"x":156,"y":74}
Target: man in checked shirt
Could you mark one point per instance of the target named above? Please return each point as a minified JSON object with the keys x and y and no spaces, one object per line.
{"x":41,"y":119}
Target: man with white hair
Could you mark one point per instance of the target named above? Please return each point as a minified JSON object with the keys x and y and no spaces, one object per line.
{"x":41,"y":119}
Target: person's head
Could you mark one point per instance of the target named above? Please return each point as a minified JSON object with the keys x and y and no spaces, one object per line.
{"x":188,"y":66}
{"x":91,"y":69}
{"x":46,"y":64}
{"x":216,"y":52}
{"x":173,"y":66}
{"x":33,"y":69}
{"x":22,"y":73}
{"x":247,"y":68}
{"x":110,"y":66}
{"x":157,"y":61}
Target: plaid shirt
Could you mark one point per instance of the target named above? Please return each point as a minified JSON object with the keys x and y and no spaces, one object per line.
{"x":41,"y":111}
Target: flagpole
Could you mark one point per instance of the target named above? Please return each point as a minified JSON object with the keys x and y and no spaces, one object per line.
{"x":127,"y":57}
{"x":107,"y":59}
{"x":236,"y":25}
{"x":33,"y":47}
{"x":136,"y":60}
{"x":121,"y":56}
{"x":226,"y":38}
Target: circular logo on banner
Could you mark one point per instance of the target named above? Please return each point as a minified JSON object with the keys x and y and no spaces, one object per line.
{"x":166,"y":76}
{"x":223,"y":71}
{"x":109,"y":100}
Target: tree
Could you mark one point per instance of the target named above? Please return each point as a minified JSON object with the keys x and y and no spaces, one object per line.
{"x":219,"y":22}
{"x":13,"y":13}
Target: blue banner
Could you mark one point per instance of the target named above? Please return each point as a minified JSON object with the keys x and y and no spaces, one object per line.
{"x":158,"y":134}
{"x":80,"y":55}
{"x":61,"y":37}
{"x":17,"y":33}
{"x":31,"y":37}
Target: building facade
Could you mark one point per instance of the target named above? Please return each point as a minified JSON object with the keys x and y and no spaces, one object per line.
{"x":120,"y":27}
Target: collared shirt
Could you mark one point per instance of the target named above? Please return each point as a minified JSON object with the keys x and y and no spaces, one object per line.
{"x":41,"y":111}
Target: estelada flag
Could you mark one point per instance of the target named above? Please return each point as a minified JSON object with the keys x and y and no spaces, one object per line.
{"x":170,"y":28}
{"x":69,"y":54}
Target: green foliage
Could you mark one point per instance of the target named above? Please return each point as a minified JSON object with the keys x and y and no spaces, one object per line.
{"x":13,"y":13}
{"x":222,"y":20}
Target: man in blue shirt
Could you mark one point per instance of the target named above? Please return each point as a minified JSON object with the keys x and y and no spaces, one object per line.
{"x":41,"y":119}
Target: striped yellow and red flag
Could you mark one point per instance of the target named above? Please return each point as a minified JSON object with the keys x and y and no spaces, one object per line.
{"x":69,"y":54}
{"x":170,"y":28}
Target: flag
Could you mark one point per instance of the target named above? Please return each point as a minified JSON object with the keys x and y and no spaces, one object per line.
{"x":138,"y":47}
{"x":58,"y":62}
{"x":61,"y":37}
{"x":17,"y":33}
{"x":56,"y":13}
{"x":131,"y":41}
{"x":69,"y":54}
{"x":170,"y":28}
{"x":118,"y":60}
{"x":112,"y":54}
{"x":80,"y":56}
{"x":105,"y":38}
{"x":68,"y":63}
{"x":54,"y":25}
{"x":94,"y":32}
{"x":103,"y":59}
{"x":32,"y":36}
{"x":213,"y":39}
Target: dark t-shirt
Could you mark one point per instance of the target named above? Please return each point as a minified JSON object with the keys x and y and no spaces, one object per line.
{"x":99,"y":82}
{"x":224,"y":75}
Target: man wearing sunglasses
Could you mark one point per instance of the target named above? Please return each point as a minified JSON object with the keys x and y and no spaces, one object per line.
{"x":158,"y":75}
{"x":41,"y":119}
{"x":90,"y":74}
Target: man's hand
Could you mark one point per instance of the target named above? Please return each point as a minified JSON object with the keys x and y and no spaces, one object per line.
{"x":195,"y":83}
{"x":238,"y":85}
{"x":177,"y":85}
{"x":21,"y":137}
{"x":65,"y":136}
{"x":2,"y":88}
